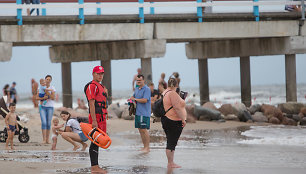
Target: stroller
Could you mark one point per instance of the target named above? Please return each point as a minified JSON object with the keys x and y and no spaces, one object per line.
{"x":23,"y":131}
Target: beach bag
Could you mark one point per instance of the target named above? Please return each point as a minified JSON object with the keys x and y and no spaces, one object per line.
{"x":158,"y":107}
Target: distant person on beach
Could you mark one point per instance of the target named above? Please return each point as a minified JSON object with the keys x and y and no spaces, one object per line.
{"x":81,"y":104}
{"x":134,"y":78}
{"x":46,"y":110}
{"x":154,"y":93}
{"x":43,"y":90}
{"x":6,"y":92}
{"x":177,"y":78}
{"x":11,"y":125}
{"x":27,"y":2}
{"x":174,"y":121}
{"x":13,"y":93}
{"x":161,"y":89}
{"x":73,"y":132}
{"x":142,"y":97}
{"x":162,"y":80}
{"x":55,"y":132}
{"x":96,"y":95}
{"x":34,"y":86}
{"x":37,"y":10}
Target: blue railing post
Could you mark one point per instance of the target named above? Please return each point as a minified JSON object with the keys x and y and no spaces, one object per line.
{"x":256,"y":11}
{"x":43,"y":10}
{"x":98,"y":9}
{"x":152,"y":11}
{"x":81,"y":13}
{"x":141,"y":12}
{"x":19,"y":12}
{"x":199,"y":12}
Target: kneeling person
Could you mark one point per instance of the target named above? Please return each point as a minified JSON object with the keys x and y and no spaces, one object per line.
{"x":73,"y":132}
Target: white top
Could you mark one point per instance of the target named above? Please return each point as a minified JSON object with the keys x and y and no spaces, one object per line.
{"x":74,"y":125}
{"x":50,"y":102}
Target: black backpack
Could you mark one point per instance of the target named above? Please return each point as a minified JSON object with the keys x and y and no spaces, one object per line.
{"x":158,"y":107}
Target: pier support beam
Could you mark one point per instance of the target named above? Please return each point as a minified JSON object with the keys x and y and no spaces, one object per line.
{"x":290,"y":66}
{"x":107,"y":79}
{"x":146,"y":69}
{"x":245,"y":81}
{"x":203,"y":79}
{"x":66,"y":84}
{"x":5,"y":51}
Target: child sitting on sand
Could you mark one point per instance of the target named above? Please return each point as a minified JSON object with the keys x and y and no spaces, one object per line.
{"x":43,"y":90}
{"x":55,"y":131}
{"x":11,"y":124}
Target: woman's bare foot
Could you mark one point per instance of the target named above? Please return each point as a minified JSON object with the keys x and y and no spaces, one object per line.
{"x":12,"y":148}
{"x":173,"y":165}
{"x":44,"y":142}
{"x":96,"y":169}
{"x":76,"y":147}
{"x":7,"y":148}
{"x":84,"y":147}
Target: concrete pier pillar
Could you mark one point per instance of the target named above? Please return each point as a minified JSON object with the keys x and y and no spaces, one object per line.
{"x":290,"y":66}
{"x":146,"y":69}
{"x":107,"y":79}
{"x":66,"y":84}
{"x":203,"y":79}
{"x":245,"y":81}
{"x":5,"y":51}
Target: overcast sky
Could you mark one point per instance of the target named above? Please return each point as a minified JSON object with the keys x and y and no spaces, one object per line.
{"x":34,"y":62}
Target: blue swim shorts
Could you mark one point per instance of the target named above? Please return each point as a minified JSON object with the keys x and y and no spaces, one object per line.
{"x":12,"y":128}
{"x":142,"y":122}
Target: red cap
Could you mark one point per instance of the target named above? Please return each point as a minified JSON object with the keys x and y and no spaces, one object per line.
{"x":98,"y":69}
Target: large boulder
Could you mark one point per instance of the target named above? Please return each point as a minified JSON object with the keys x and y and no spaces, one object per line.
{"x":206,"y":114}
{"x":303,"y":121}
{"x":291,"y":107}
{"x":115,"y":110}
{"x":231,"y":117}
{"x":125,"y":114}
{"x":227,"y":109}
{"x":303,"y":111}
{"x":190,"y":111}
{"x":244,"y":116}
{"x":209,"y":105}
{"x":274,"y":120}
{"x":272,"y":111}
{"x":259,"y":117}
{"x":254,"y":108}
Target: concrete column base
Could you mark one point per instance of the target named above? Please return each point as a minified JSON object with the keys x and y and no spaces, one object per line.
{"x":290,"y":66}
{"x":66,"y":85}
{"x":107,"y":79}
{"x":146,"y":69}
{"x":203,"y":79}
{"x":245,"y":81}
{"x":5,"y":51}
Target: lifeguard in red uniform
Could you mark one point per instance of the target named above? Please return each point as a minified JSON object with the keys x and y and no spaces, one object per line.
{"x":96,"y":95}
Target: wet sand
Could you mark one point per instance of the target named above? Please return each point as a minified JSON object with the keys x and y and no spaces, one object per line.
{"x":122,"y":156}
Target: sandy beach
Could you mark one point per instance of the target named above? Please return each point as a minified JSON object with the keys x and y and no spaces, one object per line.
{"x":21,"y":160}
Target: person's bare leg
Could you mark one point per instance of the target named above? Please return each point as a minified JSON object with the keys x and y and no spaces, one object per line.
{"x":96,"y":169}
{"x":44,"y":131}
{"x":8,"y":139}
{"x":47,"y":136}
{"x":12,"y":143}
{"x":54,"y":141}
{"x":145,"y":137}
{"x":28,"y":12}
{"x":170,"y":157}
{"x":84,"y":146}
{"x":67,"y":136}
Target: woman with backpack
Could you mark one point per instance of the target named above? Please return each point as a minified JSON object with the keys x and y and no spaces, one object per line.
{"x":72,"y":132}
{"x":174,"y":120}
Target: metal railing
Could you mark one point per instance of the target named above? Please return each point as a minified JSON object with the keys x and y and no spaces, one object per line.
{"x":141,"y":5}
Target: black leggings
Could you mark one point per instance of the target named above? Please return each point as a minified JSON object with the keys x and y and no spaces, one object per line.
{"x":94,"y":154}
{"x":173,"y":130}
